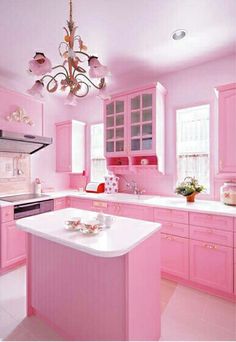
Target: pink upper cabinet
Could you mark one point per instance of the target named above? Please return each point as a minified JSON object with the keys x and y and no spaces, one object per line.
{"x":70,"y":146}
{"x":134,"y":128}
{"x":115,"y":112}
{"x":227,"y":128}
{"x":10,"y":101}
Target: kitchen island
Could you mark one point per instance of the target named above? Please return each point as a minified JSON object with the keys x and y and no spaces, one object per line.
{"x":100,"y":287}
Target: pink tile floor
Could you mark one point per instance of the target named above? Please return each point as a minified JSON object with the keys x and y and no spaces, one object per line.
{"x":187,"y":314}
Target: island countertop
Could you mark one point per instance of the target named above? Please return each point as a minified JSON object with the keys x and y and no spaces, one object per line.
{"x":122,"y":237}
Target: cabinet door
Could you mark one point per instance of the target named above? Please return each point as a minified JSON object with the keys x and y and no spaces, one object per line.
{"x":227,"y":129}
{"x":115,"y":126}
{"x":64,"y":147}
{"x":175,"y":256}
{"x":211,"y":265}
{"x":13,"y":247}
{"x":141,"y":110}
{"x":59,"y":203}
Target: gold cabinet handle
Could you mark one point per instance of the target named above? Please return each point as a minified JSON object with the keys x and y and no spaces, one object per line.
{"x":210,"y":246}
{"x":170,"y":238}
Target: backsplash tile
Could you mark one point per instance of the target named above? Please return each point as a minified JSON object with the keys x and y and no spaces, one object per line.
{"x":14,"y":173}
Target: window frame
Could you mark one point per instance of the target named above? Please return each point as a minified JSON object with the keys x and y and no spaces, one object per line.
{"x":212,"y":141}
{"x":89,"y":146}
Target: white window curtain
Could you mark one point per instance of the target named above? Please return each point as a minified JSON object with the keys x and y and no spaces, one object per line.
{"x":193,"y":144}
{"x":98,"y":161}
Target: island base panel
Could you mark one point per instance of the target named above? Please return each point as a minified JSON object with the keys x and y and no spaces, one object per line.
{"x":95,"y":298}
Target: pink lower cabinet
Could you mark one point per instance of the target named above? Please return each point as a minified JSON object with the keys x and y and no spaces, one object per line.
{"x":12,"y":244}
{"x":211,"y":265}
{"x":175,"y":256}
{"x":60,"y":203}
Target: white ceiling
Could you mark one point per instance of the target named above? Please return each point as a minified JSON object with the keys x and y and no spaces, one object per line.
{"x":132,"y":37}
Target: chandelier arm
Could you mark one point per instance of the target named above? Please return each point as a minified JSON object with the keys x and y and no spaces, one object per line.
{"x":53,"y":78}
{"x":61,"y":66}
{"x":101,"y":84}
{"x":59,"y":48}
{"x":83,"y":53}
{"x":87,"y":89}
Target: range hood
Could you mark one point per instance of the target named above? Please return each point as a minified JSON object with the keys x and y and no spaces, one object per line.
{"x":22,"y":143}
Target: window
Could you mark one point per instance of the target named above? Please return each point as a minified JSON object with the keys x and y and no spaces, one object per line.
{"x":192,"y":144}
{"x":98,"y":161}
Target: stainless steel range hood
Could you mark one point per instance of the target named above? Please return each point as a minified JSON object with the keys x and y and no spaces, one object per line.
{"x":22,"y":143}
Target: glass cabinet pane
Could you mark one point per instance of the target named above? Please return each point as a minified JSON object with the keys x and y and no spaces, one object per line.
{"x":119,"y":132}
{"x":147,"y":129}
{"x":120,"y":120}
{"x":146,"y":100}
{"x":110,"y":146}
{"x":120,"y":106}
{"x":135,"y":144}
{"x":147,"y":144}
{"x":110,"y":121}
{"x":110,"y":108}
{"x":120,"y":146}
{"x":110,"y":133}
{"x":135,"y":117}
{"x":135,"y":102}
{"x":135,"y":131}
{"x":147,"y":115}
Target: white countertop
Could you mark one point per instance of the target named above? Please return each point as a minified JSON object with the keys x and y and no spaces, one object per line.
{"x":208,"y":207}
{"x":122,"y":237}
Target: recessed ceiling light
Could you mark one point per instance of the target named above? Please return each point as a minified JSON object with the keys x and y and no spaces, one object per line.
{"x":179,"y":34}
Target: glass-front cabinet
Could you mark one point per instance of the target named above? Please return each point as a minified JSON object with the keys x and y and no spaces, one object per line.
{"x":115,"y":126}
{"x":141,"y":110}
{"x":134,"y":129}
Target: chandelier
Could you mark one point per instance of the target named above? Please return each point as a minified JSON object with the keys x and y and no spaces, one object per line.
{"x":71,"y":75}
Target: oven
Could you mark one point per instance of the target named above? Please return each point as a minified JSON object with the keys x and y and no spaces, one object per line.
{"x":34,"y":208}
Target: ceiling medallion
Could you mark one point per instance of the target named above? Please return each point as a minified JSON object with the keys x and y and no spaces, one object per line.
{"x":70,"y":75}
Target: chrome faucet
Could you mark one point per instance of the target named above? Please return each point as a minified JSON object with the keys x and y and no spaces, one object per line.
{"x":134,"y":188}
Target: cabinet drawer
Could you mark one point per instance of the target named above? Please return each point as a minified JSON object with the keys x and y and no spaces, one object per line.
{"x":59,"y":203}
{"x":220,"y":237}
{"x":212,"y":221}
{"x":80,"y":203}
{"x":171,"y":215}
{"x":174,"y":228}
{"x":134,"y":211}
{"x":7,"y":214}
{"x":211,"y":265}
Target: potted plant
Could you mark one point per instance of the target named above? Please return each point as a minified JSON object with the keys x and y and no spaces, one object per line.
{"x":189,"y":188}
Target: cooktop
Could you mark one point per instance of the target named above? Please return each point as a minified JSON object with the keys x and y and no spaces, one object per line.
{"x":22,"y":197}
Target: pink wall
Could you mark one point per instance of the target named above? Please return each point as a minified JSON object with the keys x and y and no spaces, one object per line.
{"x":187,"y":87}
{"x":43,"y":163}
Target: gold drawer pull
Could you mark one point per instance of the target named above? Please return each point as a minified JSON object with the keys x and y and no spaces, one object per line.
{"x":210,"y":246}
{"x":170,"y":238}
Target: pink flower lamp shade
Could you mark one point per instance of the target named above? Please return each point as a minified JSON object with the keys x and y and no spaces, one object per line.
{"x":37,"y":89}
{"x":96,"y":70}
{"x":40,"y":65}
